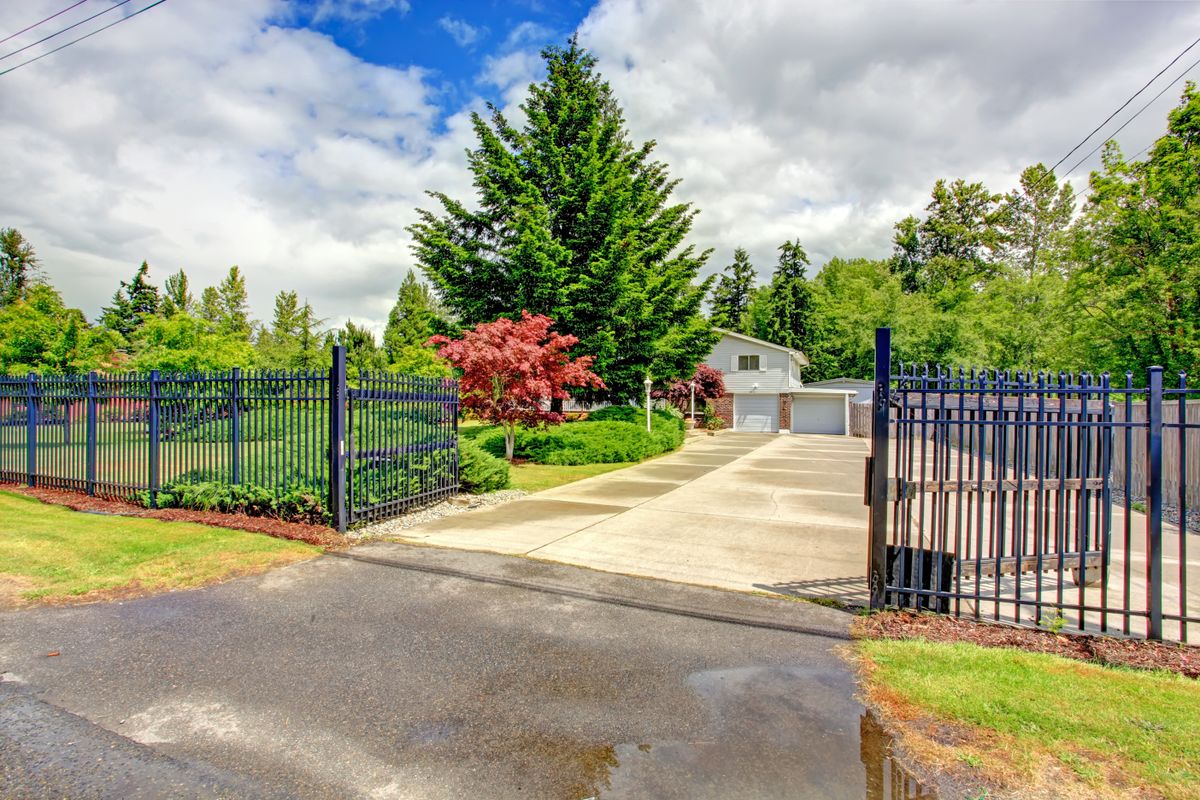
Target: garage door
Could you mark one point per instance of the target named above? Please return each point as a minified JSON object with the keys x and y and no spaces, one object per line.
{"x":756,"y":412}
{"x":818,"y":414}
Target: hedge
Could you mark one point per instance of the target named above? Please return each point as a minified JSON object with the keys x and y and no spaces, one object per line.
{"x":609,"y":436}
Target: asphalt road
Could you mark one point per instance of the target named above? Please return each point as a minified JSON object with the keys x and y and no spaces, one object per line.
{"x":343,"y":678}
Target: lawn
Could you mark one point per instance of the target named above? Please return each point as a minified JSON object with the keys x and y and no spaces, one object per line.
{"x":537,"y":477}
{"x":51,"y":553}
{"x":1025,"y":717}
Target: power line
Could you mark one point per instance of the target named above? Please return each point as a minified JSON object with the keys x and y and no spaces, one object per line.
{"x":64,"y":30}
{"x":1113,"y":114}
{"x":85,"y":36}
{"x":1131,"y":119}
{"x":39,"y":22}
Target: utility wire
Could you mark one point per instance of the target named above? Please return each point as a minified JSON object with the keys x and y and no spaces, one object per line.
{"x":47,"y":19}
{"x":1131,"y":119}
{"x":64,"y":30}
{"x":1113,"y":114}
{"x":85,"y":36}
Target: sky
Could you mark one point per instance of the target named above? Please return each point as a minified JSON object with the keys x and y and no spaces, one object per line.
{"x":297,"y":139}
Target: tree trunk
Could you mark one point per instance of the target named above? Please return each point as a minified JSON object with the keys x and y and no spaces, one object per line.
{"x":556,"y":405}
{"x":510,"y":437}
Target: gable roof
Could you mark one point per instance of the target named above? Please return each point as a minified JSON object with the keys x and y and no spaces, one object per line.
{"x":800,"y":358}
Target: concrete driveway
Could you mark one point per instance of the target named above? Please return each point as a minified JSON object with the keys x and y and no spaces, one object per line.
{"x":346,"y":678}
{"x":753,"y":512}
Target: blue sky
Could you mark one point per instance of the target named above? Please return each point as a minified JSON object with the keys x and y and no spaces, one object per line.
{"x":298,"y":138}
{"x":449,"y":41}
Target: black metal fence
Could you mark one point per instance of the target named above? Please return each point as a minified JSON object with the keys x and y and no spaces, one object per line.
{"x":130,"y":436}
{"x":995,"y":499}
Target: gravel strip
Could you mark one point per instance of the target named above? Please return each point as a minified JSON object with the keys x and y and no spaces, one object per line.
{"x":460,"y":504}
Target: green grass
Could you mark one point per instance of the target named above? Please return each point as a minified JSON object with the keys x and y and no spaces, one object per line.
{"x":537,"y":477}
{"x":52,"y":553}
{"x":1089,"y":718}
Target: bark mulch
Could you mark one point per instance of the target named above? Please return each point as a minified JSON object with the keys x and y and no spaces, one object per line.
{"x":1136,"y":653}
{"x":318,"y":535}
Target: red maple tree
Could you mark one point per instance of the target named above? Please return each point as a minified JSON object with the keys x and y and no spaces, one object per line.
{"x":510,"y":368}
{"x":710,"y":385}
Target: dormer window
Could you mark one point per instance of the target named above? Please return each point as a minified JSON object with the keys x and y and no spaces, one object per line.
{"x":747,"y":363}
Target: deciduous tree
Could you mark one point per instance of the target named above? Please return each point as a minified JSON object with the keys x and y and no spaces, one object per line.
{"x":19,"y":266}
{"x":709,"y":385}
{"x":511,"y":370}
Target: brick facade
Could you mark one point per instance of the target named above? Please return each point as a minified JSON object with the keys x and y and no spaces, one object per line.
{"x":785,"y":412}
{"x":723,"y":408}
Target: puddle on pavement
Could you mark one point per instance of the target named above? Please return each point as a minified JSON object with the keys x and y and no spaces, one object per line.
{"x":886,"y":778}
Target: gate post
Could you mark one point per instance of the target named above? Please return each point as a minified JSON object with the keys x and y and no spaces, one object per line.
{"x":31,"y":416}
{"x":877,"y":469}
{"x":90,"y":433}
{"x":337,"y":438}
{"x":152,"y":478}
{"x":1154,"y":492}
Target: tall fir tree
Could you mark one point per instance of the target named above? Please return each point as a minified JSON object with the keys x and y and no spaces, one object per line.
{"x":132,"y":304}
{"x":576,"y":223}
{"x":410,"y":322}
{"x":177,"y":297}
{"x":226,"y":308}
{"x":791,"y":306}
{"x":731,"y":296}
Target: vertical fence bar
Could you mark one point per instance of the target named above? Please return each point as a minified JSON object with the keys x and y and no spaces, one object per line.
{"x":878,"y":466}
{"x":235,"y":425}
{"x":90,"y":433}
{"x":337,"y":438}
{"x":152,"y":461}
{"x":1154,"y":492}
{"x":31,"y":416}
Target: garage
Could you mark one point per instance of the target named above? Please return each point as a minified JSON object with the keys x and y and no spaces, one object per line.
{"x":756,"y":412}
{"x":819,"y":413}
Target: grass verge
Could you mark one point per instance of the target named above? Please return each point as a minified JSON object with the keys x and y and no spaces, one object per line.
{"x":53,"y":554}
{"x":537,"y":477}
{"x":1037,"y":725}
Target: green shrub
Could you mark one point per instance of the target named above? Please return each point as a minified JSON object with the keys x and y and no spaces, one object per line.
{"x":295,"y":505}
{"x":609,"y":436}
{"x":478,"y":470}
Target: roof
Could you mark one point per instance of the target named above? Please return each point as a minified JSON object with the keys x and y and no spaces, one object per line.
{"x":800,"y":358}
{"x":830,"y":381}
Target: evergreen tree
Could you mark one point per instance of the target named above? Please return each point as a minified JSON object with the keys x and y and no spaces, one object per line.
{"x":361,"y":352}
{"x":956,"y":243}
{"x":177,"y":297}
{"x":19,"y":266}
{"x":210,"y":307}
{"x":410,"y":322}
{"x":731,"y":296}
{"x":132,"y":304}
{"x":791,"y":307}
{"x":1032,"y":222}
{"x":225,"y":307}
{"x":311,"y":351}
{"x":574,"y":222}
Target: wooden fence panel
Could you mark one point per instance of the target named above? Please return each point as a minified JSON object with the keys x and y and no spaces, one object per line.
{"x":1135,"y":460}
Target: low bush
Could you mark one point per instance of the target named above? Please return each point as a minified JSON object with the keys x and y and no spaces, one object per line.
{"x":478,"y":470}
{"x":609,"y":436}
{"x":296,"y":505}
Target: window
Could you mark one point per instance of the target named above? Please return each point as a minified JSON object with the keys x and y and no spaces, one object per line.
{"x":747,"y":363}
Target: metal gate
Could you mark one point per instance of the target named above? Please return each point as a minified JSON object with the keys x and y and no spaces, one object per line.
{"x":402,"y":444}
{"x":991,"y":495}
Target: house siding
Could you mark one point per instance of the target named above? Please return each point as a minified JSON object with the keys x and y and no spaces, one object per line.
{"x":773,"y":376}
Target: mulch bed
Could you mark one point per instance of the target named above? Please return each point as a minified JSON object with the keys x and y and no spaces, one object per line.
{"x":1136,"y":653}
{"x":318,"y":535}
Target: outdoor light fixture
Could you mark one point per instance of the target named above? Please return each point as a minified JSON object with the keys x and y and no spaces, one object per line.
{"x":693,"y":387}
{"x":647,"y":404}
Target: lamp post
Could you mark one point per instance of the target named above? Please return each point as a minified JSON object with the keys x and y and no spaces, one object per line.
{"x":693,"y":388}
{"x":647,"y":404}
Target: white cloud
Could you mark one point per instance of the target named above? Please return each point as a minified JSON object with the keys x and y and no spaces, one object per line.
{"x":462,"y":32}
{"x":354,"y":10}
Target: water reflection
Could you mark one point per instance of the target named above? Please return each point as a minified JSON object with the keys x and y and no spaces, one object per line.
{"x":886,"y":777}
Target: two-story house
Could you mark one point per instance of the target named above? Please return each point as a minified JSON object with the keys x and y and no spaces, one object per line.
{"x":764,"y":392}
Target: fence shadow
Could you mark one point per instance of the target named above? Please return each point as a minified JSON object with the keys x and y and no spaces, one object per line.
{"x":850,"y":590}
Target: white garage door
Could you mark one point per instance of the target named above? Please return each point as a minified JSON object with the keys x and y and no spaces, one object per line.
{"x":756,"y":412}
{"x":818,"y":414}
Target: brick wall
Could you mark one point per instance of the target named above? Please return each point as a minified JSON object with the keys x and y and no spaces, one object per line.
{"x":723,"y":408}
{"x":785,"y":412}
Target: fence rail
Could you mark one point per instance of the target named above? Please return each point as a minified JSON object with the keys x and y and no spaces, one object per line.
{"x":999,"y":497}
{"x":129,"y":436}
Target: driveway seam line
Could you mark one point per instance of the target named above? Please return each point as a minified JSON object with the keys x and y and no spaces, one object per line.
{"x":647,"y":500}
